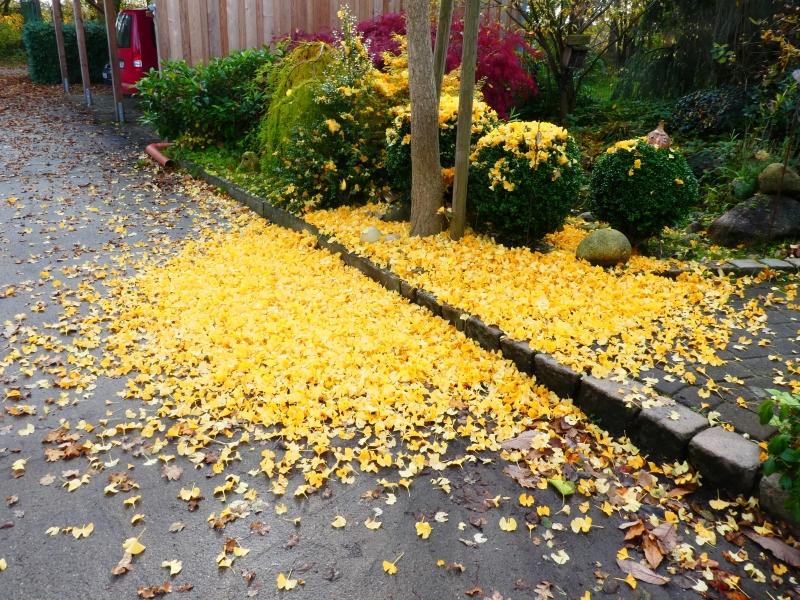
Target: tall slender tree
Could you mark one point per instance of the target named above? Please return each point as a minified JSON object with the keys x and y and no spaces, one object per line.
{"x":427,"y":186}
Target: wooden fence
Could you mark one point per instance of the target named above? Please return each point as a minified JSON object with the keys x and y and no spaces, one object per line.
{"x":197,"y":30}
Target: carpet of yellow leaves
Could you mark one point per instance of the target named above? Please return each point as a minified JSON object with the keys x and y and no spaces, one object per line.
{"x":595,"y":320}
{"x":253,"y":334}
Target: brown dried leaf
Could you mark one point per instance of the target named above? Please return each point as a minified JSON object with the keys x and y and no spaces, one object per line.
{"x":172,"y":472}
{"x":123,"y":566}
{"x":652,"y":552}
{"x":155,"y":590}
{"x":779,"y":549}
{"x":641,"y":572}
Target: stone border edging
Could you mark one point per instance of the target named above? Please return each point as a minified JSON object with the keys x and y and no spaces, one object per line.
{"x":672,"y":431}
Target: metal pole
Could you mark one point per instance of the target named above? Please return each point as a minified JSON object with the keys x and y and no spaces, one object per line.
{"x":80,"y":36}
{"x":58,"y":21}
{"x":469,"y":58}
{"x":111,"y":34}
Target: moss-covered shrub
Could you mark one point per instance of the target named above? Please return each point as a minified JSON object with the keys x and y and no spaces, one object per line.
{"x":323,"y":137}
{"x":398,"y":139}
{"x":640,"y":189}
{"x":715,"y":110}
{"x":525,"y":178}
{"x":217,"y":103}
{"x":40,"y":45}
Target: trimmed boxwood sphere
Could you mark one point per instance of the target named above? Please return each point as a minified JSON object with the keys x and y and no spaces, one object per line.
{"x":525,"y":178}
{"x":640,"y":189}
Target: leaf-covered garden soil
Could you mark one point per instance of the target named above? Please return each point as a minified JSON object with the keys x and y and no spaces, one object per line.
{"x":198,"y":404}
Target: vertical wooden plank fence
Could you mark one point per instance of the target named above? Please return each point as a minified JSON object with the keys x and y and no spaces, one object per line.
{"x":198,"y":30}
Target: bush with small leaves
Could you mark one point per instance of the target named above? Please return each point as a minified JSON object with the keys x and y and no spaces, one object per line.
{"x":640,"y":189}
{"x":525,"y":178}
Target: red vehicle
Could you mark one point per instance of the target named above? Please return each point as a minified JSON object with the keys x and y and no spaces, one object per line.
{"x":136,"y":43}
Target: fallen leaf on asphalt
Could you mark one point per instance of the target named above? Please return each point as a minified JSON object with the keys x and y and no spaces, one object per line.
{"x":133,"y":546}
{"x":47,"y":479}
{"x":123,"y":566}
{"x":641,"y":572}
{"x":581,"y":524}
{"x":3,"y":565}
{"x":152,"y":591}
{"x":285,"y":583}
{"x":184,"y":587}
{"x":391,"y":567}
{"x":171,"y":472}
{"x":18,"y":467}
{"x":176,"y":527}
{"x":424,"y":529}
{"x":780,"y":549}
{"x":371,"y":523}
{"x":473,"y":591}
{"x":508,"y":524}
{"x":174,"y":566}
{"x":82,"y":532}
{"x":137,"y":518}
{"x":339,"y":522}
{"x":560,"y":557}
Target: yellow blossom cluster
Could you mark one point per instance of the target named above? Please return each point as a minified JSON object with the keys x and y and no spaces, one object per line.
{"x":534,"y":140}
{"x":627,"y":145}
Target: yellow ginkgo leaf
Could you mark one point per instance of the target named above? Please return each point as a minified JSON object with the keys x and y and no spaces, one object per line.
{"x":132,"y":501}
{"x":719,"y":504}
{"x":285,"y":583}
{"x":389,"y":567}
{"x":581,"y":524}
{"x":281,"y":509}
{"x":137,"y":518}
{"x":189,"y":494}
{"x":622,"y":554}
{"x":53,"y":530}
{"x":82,"y":532}
{"x":3,"y":565}
{"x":133,"y":546}
{"x":174,"y":566}
{"x":526,"y":500}
{"x":543,"y":511}
{"x":508,"y":524}
{"x":372,"y":524}
{"x":423,"y":529}
{"x":630,"y":580}
{"x":559,"y":557}
{"x":338,"y":522}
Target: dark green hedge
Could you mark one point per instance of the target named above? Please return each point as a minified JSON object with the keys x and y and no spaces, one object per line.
{"x":40,"y":45}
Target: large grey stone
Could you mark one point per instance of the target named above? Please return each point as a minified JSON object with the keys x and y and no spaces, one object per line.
{"x":666,"y":430}
{"x":772,"y":498}
{"x":604,"y":247}
{"x":609,"y":401}
{"x":777,"y":179}
{"x":726,"y":459}
{"x":757,"y":220}
{"x":556,"y":377}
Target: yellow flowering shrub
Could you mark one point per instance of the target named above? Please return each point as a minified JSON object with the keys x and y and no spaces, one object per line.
{"x":398,"y":138}
{"x":640,"y":189}
{"x":526,"y":177}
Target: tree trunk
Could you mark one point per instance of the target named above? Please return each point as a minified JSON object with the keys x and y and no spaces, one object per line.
{"x":426,"y":169}
{"x":6,"y":4}
{"x":442,"y":42}
{"x":469,"y":55}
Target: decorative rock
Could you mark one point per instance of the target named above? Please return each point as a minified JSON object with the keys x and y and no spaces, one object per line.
{"x":726,"y":459}
{"x":391,"y":237}
{"x":249,"y":162}
{"x":769,"y":181}
{"x":587,"y":216}
{"x":658,"y":137}
{"x":371,"y":235}
{"x":757,"y":220}
{"x":605,"y":247}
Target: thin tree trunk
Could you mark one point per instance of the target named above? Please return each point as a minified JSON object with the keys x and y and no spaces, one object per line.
{"x":469,"y":56}
{"x":442,"y":42}
{"x":426,"y":170}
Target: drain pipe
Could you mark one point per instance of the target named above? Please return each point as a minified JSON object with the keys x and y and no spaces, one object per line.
{"x":154,"y":150}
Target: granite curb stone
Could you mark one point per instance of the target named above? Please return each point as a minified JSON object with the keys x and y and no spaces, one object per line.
{"x":560,"y":379}
{"x":610,"y":401}
{"x":518,"y":352}
{"x":726,"y":459}
{"x":488,"y":336}
{"x":658,"y":428}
